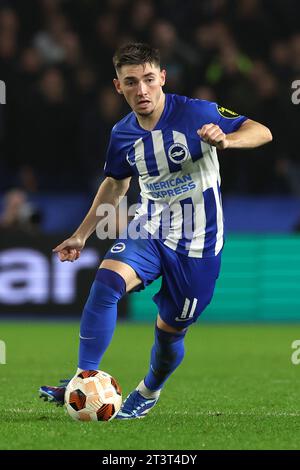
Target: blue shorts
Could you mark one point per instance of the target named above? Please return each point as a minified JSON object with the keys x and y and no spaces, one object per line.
{"x":187,"y":283}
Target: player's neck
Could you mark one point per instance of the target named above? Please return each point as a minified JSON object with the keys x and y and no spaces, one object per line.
{"x":149,"y":122}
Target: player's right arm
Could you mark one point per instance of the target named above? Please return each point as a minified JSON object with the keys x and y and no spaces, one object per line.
{"x":111,"y":191}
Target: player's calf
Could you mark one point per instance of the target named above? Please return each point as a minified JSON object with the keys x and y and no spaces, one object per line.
{"x":166,"y":355}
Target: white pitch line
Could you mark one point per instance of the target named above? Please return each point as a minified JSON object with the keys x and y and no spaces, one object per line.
{"x":17,"y":410}
{"x":197,"y":413}
{"x":238,"y":413}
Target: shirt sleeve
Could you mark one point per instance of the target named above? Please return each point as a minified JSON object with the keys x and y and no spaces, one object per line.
{"x":228,"y":120}
{"x":116,"y":164}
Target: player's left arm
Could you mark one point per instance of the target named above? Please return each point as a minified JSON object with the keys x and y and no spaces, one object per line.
{"x":250,"y":134}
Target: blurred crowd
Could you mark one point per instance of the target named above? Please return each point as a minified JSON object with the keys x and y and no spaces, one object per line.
{"x":56,"y":62}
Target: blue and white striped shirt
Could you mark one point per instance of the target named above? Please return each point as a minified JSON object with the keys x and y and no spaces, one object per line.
{"x":178,"y":173}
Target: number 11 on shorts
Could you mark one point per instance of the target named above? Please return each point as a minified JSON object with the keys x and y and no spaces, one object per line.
{"x":188,"y":310}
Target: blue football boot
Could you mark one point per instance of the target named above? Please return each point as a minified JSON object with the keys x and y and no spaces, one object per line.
{"x":136,"y":406}
{"x":54,"y":395}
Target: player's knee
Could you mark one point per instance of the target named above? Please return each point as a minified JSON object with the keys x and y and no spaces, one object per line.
{"x":111,"y":279}
{"x":162,"y":325}
{"x":129,"y":275}
{"x":108,"y":288}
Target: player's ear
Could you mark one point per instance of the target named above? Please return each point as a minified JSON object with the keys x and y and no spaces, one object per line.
{"x":163,"y":77}
{"x":118,"y":86}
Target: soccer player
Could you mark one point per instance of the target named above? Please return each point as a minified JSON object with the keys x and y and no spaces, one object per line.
{"x":170,"y":142}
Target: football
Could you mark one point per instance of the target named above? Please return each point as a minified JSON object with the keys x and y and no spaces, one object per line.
{"x":93,"y":395}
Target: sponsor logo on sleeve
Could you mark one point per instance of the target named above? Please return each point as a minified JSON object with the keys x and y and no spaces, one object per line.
{"x":227,"y":113}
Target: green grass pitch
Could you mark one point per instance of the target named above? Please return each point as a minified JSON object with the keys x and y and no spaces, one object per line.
{"x":236,"y":389}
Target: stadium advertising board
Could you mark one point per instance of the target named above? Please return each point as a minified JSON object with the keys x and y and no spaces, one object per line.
{"x":34,"y":282}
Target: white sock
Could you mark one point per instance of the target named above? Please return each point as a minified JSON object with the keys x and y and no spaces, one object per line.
{"x":146,"y":392}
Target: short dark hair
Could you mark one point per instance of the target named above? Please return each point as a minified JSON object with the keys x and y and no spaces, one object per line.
{"x":136,"y":53}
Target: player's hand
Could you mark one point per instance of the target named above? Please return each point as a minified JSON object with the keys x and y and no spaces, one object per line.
{"x":69,"y":250}
{"x":212,"y":134}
